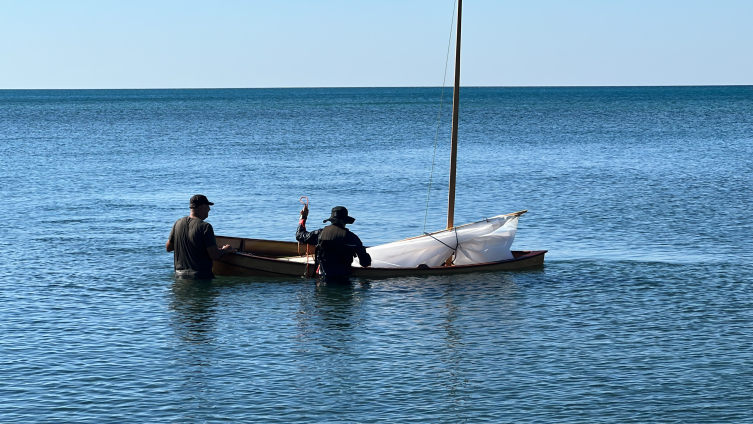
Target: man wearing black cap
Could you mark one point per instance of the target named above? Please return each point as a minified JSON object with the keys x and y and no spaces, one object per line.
{"x":193,"y":241}
{"x":335,"y":245}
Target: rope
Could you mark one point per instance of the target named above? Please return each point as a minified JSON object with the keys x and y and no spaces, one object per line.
{"x":454,"y":249}
{"x":306,"y":274}
{"x":439,"y":114}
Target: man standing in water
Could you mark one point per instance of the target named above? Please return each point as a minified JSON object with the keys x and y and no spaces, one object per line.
{"x":193,"y":241}
{"x":335,"y":245}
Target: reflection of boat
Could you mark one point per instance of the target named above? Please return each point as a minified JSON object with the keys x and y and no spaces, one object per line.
{"x":479,"y":246}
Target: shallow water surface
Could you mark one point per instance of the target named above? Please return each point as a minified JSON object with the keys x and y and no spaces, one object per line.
{"x":642,"y":312}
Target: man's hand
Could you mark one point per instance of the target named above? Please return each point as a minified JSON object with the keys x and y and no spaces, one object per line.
{"x":216,"y":253}
{"x":305,"y":212}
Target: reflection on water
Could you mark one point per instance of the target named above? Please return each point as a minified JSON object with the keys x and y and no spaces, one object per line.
{"x":337,"y":304}
{"x":194,"y":303}
{"x":451,"y":354}
{"x":328,"y":313}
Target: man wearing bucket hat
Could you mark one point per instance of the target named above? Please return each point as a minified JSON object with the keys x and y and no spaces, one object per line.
{"x":335,"y":245}
{"x":193,"y":242}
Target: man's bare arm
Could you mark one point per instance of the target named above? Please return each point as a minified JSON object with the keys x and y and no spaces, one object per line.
{"x":216,"y":253}
{"x":169,"y":246}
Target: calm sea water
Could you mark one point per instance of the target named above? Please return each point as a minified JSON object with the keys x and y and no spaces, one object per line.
{"x":642,"y":313}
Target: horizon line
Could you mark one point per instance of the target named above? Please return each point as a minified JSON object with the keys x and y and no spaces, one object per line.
{"x":405,"y":86}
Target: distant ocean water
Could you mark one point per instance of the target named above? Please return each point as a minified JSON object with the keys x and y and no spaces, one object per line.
{"x":643,"y":311}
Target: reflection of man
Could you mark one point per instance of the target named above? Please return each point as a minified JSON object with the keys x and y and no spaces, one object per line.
{"x":193,"y":241}
{"x":336,"y":246}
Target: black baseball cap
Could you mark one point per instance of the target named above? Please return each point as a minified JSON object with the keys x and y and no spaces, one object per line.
{"x":199,"y":199}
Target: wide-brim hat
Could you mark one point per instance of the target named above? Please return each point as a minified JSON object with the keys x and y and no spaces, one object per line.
{"x":340,"y":216}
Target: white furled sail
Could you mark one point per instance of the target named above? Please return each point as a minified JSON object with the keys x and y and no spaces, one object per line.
{"x":484,"y":241}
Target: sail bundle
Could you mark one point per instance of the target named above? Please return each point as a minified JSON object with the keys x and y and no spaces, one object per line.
{"x":480,"y":242}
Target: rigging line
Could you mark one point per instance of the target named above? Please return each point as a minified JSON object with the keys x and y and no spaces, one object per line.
{"x":447,"y":245}
{"x":454,"y":249}
{"x":439,"y":115}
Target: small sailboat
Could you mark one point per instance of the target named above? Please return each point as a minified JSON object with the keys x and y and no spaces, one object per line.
{"x":475,"y":247}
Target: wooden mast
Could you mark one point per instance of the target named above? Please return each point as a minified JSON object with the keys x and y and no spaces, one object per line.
{"x":454,"y":139}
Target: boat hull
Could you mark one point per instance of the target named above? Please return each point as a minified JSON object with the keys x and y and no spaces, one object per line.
{"x":264,"y":258}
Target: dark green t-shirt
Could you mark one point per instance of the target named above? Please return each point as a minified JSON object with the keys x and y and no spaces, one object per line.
{"x":191,"y":237}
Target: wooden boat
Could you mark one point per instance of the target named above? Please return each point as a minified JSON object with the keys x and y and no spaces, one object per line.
{"x":282,"y":258}
{"x":272,"y":259}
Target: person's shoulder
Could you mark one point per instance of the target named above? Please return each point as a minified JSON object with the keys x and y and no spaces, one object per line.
{"x":317,"y":231}
{"x":205,"y":225}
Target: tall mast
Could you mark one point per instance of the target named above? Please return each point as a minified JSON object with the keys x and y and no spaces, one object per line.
{"x":454,"y":139}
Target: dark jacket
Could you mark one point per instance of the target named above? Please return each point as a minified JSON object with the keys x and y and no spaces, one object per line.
{"x":336,"y":247}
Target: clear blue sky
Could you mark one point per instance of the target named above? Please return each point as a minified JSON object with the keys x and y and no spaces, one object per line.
{"x":355,"y":43}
